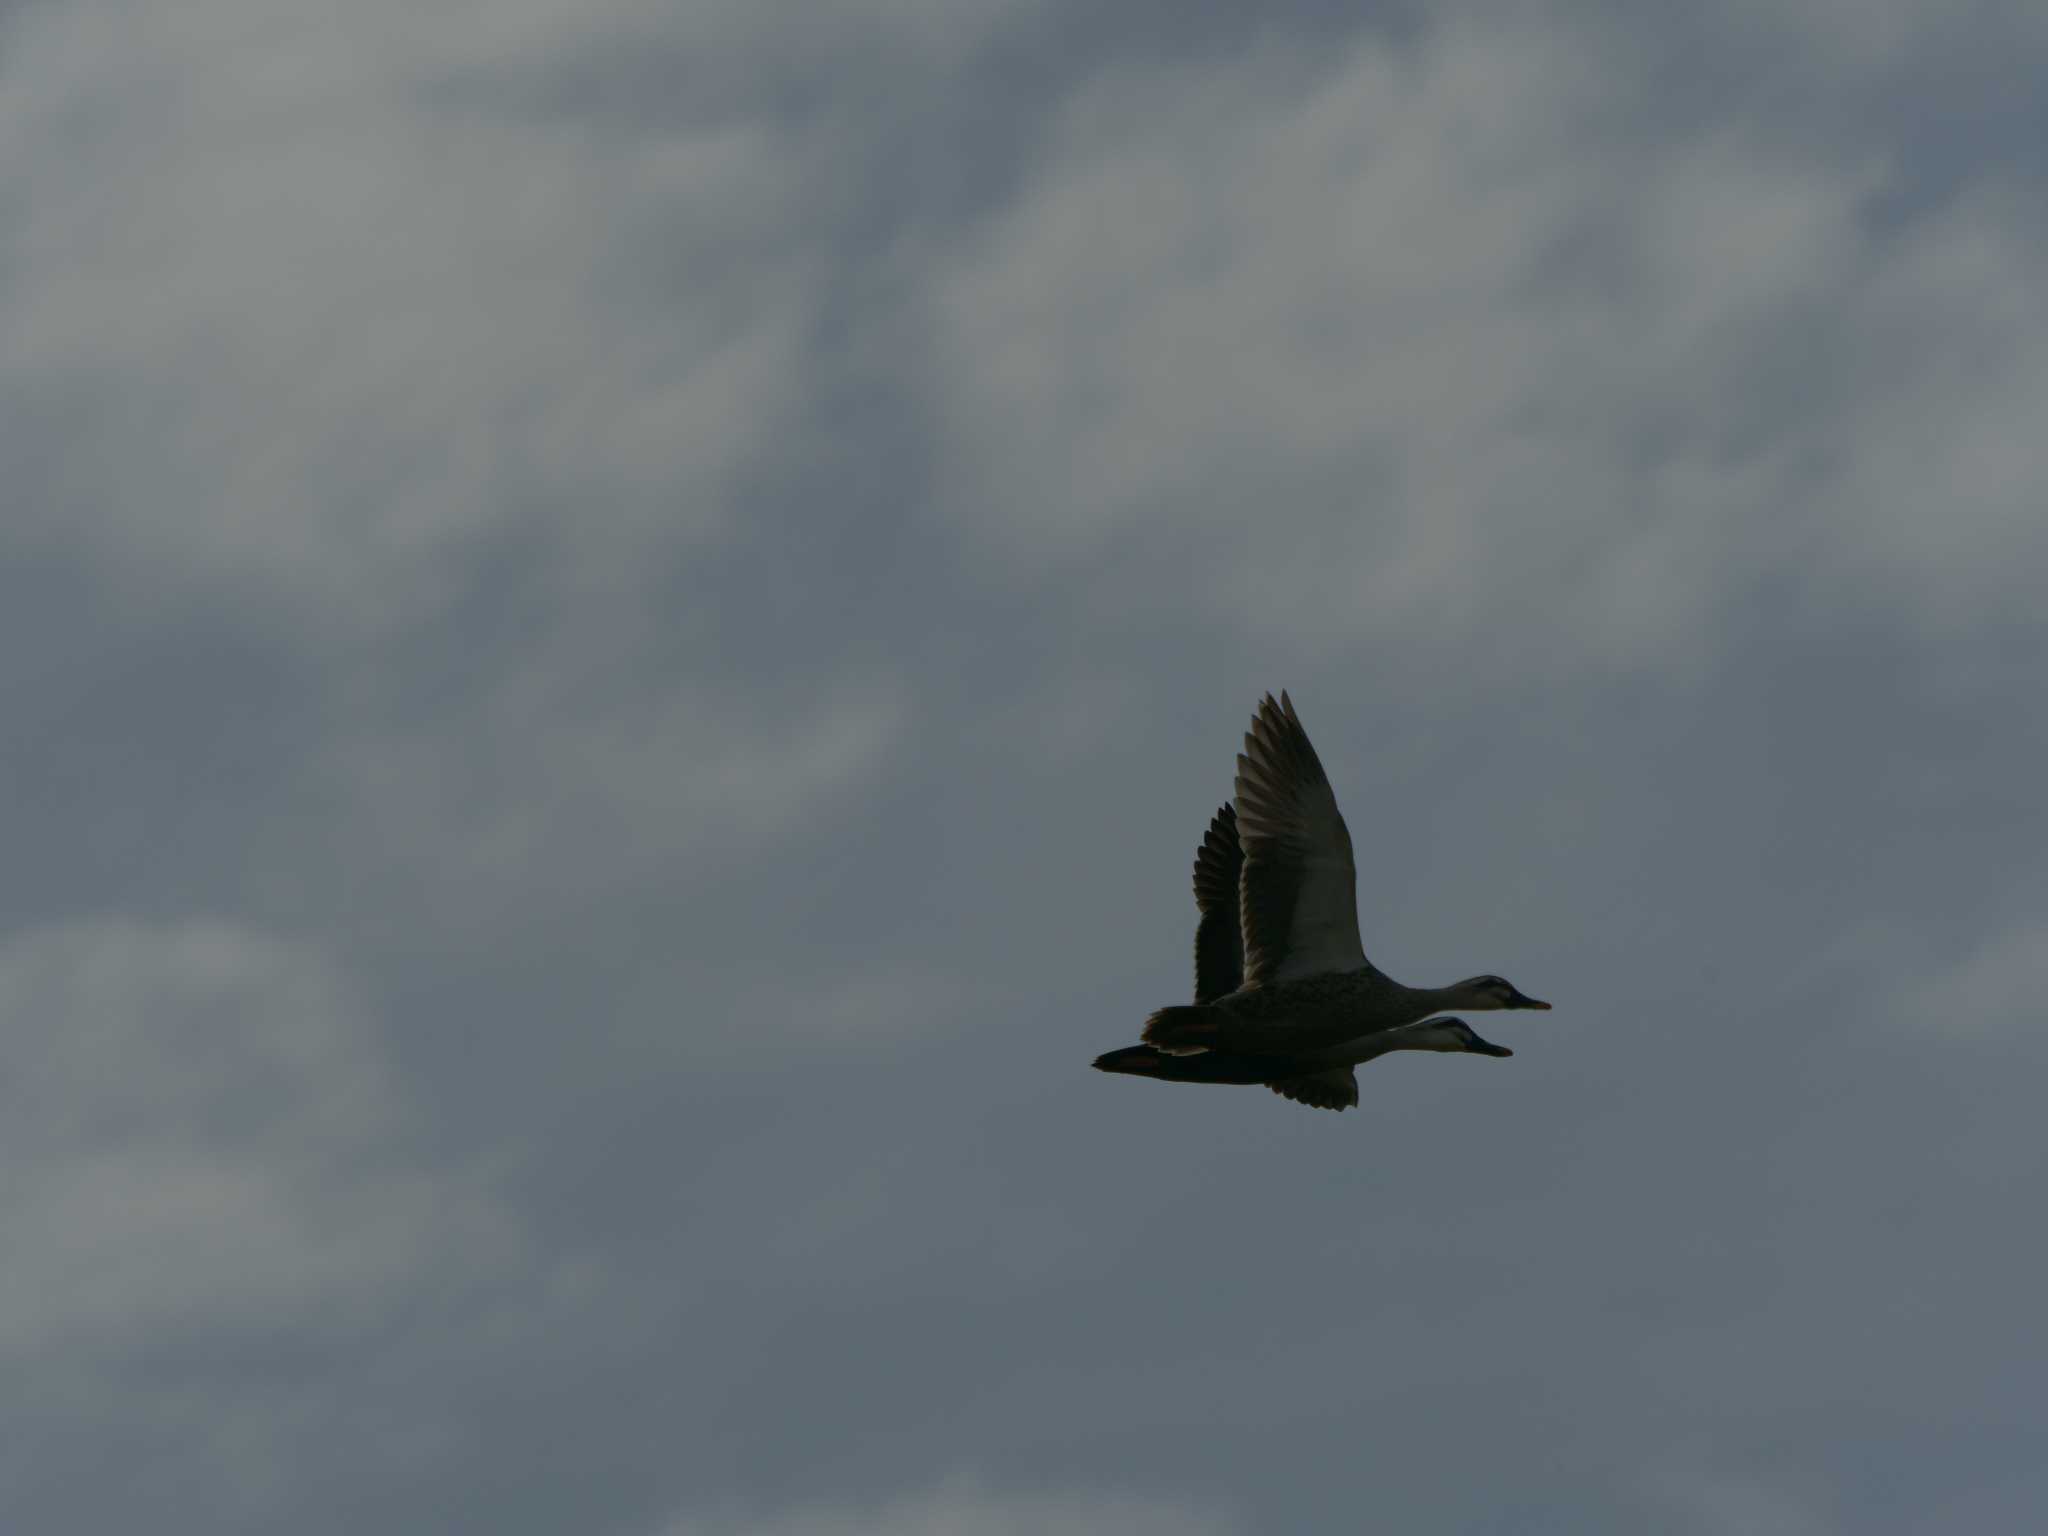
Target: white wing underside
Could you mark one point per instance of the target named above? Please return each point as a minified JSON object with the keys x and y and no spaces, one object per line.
{"x":1297,"y":892}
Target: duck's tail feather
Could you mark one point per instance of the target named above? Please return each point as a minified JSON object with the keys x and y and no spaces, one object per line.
{"x":1182,"y":1029}
{"x":1137,"y":1060}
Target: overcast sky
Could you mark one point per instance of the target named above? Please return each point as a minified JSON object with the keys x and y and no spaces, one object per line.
{"x":618,"y":622}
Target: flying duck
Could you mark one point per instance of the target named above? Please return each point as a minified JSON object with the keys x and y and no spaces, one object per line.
{"x":1279,"y":968}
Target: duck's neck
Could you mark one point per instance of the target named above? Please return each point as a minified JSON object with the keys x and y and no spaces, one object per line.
{"x":1370,"y":1047}
{"x":1428,"y":1000}
{"x":1407,"y":1037}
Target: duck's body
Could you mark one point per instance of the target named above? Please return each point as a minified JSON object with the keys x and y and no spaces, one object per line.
{"x":1309,"y":1014}
{"x":1322,"y":1078}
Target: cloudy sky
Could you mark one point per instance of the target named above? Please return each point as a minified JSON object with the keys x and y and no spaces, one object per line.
{"x":618,"y":622}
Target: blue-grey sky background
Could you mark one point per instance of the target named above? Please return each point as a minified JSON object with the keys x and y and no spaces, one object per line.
{"x":618,"y":622}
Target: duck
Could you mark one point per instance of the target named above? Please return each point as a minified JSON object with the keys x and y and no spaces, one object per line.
{"x":1320,"y":1079}
{"x":1280,"y":970}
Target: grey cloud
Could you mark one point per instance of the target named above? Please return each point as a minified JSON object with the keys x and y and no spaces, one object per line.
{"x":961,"y":1506}
{"x":1438,"y":341}
{"x":208,"y":1154}
{"x":617,"y":626}
{"x":348,"y":336}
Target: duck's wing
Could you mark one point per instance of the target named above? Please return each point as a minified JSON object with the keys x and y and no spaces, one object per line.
{"x":1335,"y":1089}
{"x":1219,"y":948}
{"x":1296,"y":895}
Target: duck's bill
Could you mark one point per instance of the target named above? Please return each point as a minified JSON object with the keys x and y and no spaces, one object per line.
{"x":1524,"y":1000}
{"x":1488,"y":1048}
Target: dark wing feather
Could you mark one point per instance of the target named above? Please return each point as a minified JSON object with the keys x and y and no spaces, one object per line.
{"x":1335,"y":1089}
{"x":1219,"y":949}
{"x":1297,"y":901}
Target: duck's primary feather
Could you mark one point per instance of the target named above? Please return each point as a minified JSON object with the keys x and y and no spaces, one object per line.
{"x":1219,"y":953}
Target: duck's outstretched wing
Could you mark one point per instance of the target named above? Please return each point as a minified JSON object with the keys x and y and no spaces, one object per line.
{"x":1297,"y":898}
{"x":1335,"y":1089}
{"x":1219,"y":948}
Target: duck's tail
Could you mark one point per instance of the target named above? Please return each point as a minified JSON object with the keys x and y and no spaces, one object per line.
{"x":1137,"y":1060}
{"x":1182,"y":1030}
{"x":1203,"y":1067}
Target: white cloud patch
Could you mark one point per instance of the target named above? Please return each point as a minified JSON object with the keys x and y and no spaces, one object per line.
{"x":1997,"y":991}
{"x":859,"y":1013}
{"x":1700,"y":1491}
{"x":201,"y":1136}
{"x":556,"y":772}
{"x":961,"y":1507}
{"x":223,"y":1239}
{"x":323,"y":318}
{"x":310,"y":311}
{"x":1442,"y":341}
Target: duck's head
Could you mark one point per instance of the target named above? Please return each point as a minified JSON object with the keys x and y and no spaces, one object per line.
{"x":1450,"y":1035}
{"x":1492,"y":992}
